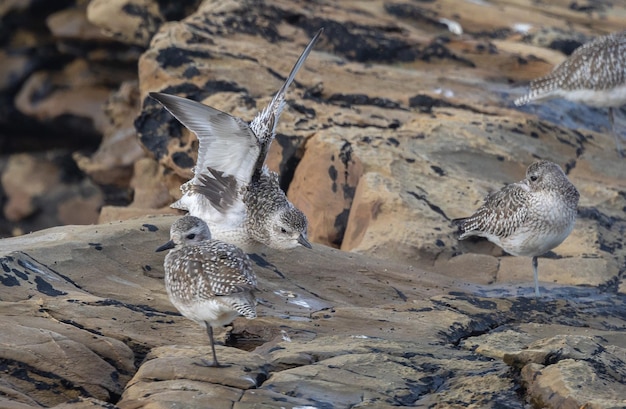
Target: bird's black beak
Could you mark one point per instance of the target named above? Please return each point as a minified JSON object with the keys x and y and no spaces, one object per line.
{"x":169,"y":245}
{"x":302,"y":240}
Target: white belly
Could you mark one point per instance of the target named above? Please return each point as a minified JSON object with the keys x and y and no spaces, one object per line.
{"x":212,"y":311}
{"x":614,"y":97}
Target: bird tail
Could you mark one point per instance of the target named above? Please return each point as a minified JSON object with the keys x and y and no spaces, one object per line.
{"x":540,"y":89}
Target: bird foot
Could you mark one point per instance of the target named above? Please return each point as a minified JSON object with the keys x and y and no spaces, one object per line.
{"x":210,"y":364}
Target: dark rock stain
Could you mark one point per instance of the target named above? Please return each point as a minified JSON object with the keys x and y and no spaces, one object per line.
{"x":433,"y":207}
{"x":46,"y":288}
{"x":290,"y":159}
{"x":80,"y":326}
{"x":308,"y":112}
{"x":144,"y":309}
{"x":348,"y":100}
{"x":9,"y":281}
{"x":20,"y":274}
{"x":96,"y":246}
{"x":183,"y":160}
{"x":261,"y":262}
{"x":42,"y":380}
{"x":191,"y":72}
{"x":426,"y":103}
{"x":393,"y":141}
{"x":340,"y":224}
{"x":438,"y":170}
{"x":332,"y":173}
{"x":174,"y":57}
{"x":150,"y":227}
{"x":566,"y":46}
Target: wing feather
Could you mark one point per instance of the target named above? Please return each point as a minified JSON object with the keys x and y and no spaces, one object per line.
{"x":226,"y":143}
{"x":502,"y":213}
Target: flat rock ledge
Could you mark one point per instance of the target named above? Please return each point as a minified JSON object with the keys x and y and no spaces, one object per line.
{"x":87,"y":324}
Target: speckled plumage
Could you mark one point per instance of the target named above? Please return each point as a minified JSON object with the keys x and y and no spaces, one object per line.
{"x":209,"y":281}
{"x":527,"y":218}
{"x":594,"y":74}
{"x":232,"y":189}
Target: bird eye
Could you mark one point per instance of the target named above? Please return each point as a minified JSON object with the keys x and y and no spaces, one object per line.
{"x":533,"y":178}
{"x":191,"y":236}
{"x":283,"y":230}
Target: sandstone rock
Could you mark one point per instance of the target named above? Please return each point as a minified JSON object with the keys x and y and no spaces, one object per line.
{"x":40,"y":191}
{"x":72,"y":24}
{"x":77,"y":91}
{"x":575,"y":371}
{"x":112,"y":163}
{"x":133,"y":22}
{"x":359,"y":331}
{"x":428,"y":118}
{"x":419,"y":154}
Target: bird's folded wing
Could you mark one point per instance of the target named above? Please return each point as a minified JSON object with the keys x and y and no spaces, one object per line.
{"x":502,"y":213}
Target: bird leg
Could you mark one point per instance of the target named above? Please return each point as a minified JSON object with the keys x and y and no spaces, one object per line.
{"x":536,"y":274}
{"x":616,"y":135}
{"x":215,"y":363}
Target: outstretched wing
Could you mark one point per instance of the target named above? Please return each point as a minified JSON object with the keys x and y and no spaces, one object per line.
{"x":226,"y":143}
{"x":502,"y":213}
{"x":264,"y":124}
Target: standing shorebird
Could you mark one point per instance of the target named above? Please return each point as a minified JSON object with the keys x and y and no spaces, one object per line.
{"x":595,"y":74}
{"x":208,"y":281}
{"x":527,"y":218}
{"x":232,"y":189}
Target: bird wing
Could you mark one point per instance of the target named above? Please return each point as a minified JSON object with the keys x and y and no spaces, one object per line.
{"x":220,"y":268}
{"x":226,"y":143}
{"x":264,"y":124}
{"x":220,"y":189}
{"x":501,"y":214}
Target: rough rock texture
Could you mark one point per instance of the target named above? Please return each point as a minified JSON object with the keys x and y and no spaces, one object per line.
{"x":91,"y":326}
{"x":380,"y":156}
{"x":400,"y":121}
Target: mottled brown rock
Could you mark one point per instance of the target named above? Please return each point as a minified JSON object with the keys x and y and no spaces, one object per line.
{"x":428,"y":117}
{"x":76,"y":91}
{"x":72,"y":24}
{"x":334,"y":328}
{"x":112,"y":163}
{"x":129,"y":21}
{"x":40,"y":192}
{"x":324,"y":186}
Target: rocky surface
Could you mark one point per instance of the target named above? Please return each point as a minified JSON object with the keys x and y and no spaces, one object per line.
{"x":401,"y":120}
{"x":88,"y":324}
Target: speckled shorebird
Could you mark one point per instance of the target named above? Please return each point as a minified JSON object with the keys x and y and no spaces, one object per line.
{"x":208,"y":281}
{"x":595,"y":74}
{"x":527,"y":218}
{"x":232,"y":189}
